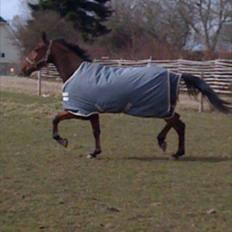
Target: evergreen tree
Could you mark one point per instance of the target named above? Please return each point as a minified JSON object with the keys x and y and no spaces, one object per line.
{"x":87,"y":16}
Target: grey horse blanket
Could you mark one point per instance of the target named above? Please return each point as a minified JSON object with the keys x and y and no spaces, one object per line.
{"x":140,"y":91}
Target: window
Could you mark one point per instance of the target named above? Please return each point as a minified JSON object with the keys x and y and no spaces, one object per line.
{"x":3,"y":55}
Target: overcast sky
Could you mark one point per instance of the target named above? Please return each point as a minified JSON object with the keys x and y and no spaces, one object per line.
{"x":11,"y":8}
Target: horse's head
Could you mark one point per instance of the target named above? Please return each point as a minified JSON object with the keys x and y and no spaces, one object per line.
{"x":65,"y":56}
{"x":37,"y":57}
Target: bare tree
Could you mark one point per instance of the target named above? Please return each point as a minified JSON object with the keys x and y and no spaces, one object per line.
{"x":158,"y":20}
{"x":165,"y":23}
{"x":226,"y":35}
{"x":207,"y":19}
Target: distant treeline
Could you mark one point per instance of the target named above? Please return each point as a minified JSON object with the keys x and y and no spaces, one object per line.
{"x":163,"y":29}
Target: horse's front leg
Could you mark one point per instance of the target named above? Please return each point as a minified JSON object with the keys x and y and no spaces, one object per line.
{"x":94,"y":119}
{"x":56,"y":120}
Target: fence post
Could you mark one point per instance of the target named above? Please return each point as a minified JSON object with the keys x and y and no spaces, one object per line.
{"x":120,"y":62}
{"x":150,"y":61}
{"x":201,"y":103}
{"x":39,"y":83}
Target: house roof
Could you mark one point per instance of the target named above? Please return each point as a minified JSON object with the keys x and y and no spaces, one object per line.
{"x":2,"y":19}
{"x":6,"y":25}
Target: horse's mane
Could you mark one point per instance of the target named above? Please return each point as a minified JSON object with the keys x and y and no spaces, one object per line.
{"x":75,"y":48}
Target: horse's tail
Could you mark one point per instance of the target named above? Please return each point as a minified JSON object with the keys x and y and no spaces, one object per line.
{"x":195,"y":84}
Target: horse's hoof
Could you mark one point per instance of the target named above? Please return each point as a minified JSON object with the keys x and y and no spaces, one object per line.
{"x":174,"y":157}
{"x":93,"y":154}
{"x":63,"y":142}
{"x":163,"y":146}
{"x":89,"y":156}
{"x":177,"y":156}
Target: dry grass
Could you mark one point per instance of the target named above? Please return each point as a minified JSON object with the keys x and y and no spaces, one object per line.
{"x":29,"y":86}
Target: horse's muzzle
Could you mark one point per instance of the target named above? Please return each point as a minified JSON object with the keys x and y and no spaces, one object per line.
{"x":26,"y":71}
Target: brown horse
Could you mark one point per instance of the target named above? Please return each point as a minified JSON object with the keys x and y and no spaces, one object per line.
{"x":68,"y":57}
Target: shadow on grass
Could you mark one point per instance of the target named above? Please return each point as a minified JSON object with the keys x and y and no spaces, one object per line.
{"x":182,"y":159}
{"x":212,"y":159}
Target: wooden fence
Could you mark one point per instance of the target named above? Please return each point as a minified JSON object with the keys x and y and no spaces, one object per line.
{"x":217,"y":73}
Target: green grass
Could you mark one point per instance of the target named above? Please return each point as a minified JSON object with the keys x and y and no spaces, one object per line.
{"x":132,"y":187}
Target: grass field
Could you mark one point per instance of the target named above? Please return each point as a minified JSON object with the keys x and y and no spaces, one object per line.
{"x":132,"y":187}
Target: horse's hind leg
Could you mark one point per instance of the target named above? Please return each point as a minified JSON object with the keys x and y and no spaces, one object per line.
{"x":163,"y":133}
{"x":179,"y":127}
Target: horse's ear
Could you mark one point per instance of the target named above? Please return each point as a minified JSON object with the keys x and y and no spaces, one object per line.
{"x":44,"y":37}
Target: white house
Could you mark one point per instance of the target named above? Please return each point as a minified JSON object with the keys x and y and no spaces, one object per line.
{"x":9,"y":50}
